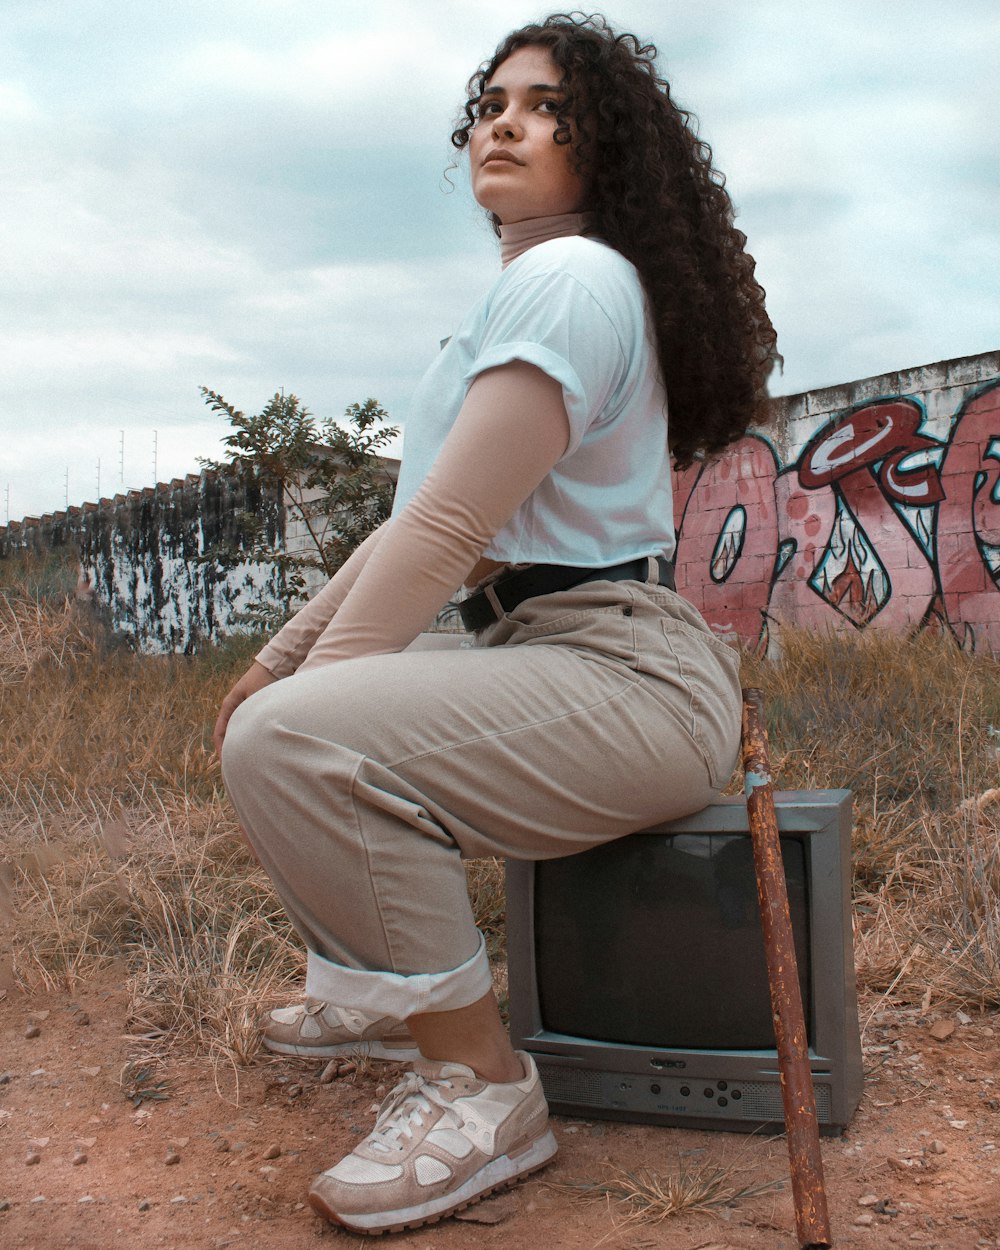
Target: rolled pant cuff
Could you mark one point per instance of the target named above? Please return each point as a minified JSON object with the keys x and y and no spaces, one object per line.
{"x":390,"y":994}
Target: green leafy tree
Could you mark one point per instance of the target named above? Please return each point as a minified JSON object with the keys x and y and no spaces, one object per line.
{"x":329,"y":476}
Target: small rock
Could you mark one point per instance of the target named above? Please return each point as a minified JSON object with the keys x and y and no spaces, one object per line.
{"x":272,"y":1152}
{"x":941,"y":1030}
{"x":178,"y":1143}
{"x":91,"y":1071}
{"x":86,"y":1143}
{"x":85,"y":1199}
{"x":959,"y":1123}
{"x":31,"y":1158}
{"x":294,"y":1090}
{"x":865,"y":1220}
{"x":81,"y":1018}
{"x":868,"y":1200}
{"x":38,"y":1198}
{"x":171,"y":1157}
{"x":936,"y":1147}
{"x":39,"y":1017}
{"x":268,"y":1172}
{"x":38,"y":1143}
{"x":330,"y":1072}
{"x":222,"y":1145}
{"x":32,"y":1031}
{"x":144,"y":1205}
{"x":963,"y":1018}
{"x":6,"y":1078}
{"x":79,"y":1158}
{"x":177,"y":1199}
{"x":5,"y":1205}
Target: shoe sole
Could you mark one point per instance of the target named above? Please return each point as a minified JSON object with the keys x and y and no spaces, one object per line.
{"x":497,"y":1174}
{"x":367,"y":1049}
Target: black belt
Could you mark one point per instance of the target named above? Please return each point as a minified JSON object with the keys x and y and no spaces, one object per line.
{"x":479,"y":610}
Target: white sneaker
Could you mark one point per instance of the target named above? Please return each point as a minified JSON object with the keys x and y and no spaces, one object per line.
{"x":443,"y":1139}
{"x":320,"y":1029}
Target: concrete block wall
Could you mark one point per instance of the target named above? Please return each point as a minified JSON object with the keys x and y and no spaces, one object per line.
{"x":143,"y":556}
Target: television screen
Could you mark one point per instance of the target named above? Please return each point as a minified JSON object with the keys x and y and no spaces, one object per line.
{"x":702,"y":982}
{"x":637,"y":976}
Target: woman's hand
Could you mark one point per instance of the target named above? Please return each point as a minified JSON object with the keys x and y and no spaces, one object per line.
{"x":255,"y":678}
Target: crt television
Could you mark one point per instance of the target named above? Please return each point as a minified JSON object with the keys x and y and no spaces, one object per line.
{"x":638,"y":980}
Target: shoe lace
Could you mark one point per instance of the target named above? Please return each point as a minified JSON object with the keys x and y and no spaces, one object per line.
{"x":403,"y":1109}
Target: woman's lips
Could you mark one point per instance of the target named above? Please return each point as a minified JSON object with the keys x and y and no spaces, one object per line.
{"x":501,"y":154}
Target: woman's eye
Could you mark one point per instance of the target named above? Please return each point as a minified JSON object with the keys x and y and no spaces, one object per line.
{"x":488,"y":108}
{"x":549,"y":106}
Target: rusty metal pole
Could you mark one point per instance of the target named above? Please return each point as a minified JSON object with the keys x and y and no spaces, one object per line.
{"x":812,"y":1222}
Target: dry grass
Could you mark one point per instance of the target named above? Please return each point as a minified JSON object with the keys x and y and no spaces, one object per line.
{"x":116,"y":843}
{"x":909,"y":726}
{"x":645,"y":1196}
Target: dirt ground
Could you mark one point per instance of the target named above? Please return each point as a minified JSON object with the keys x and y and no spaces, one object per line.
{"x":225,"y":1158}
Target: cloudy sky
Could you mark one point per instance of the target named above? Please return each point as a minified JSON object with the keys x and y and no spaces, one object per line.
{"x":251,"y":195}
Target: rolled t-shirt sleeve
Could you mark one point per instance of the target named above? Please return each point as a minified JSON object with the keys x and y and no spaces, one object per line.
{"x":554,"y":322}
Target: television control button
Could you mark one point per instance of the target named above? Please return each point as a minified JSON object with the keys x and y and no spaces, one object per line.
{"x":723,"y":1100}
{"x":685,"y":1090}
{"x":737,"y":1095}
{"x":709,"y":1093}
{"x":720,"y":1085}
{"x":654,"y":1088}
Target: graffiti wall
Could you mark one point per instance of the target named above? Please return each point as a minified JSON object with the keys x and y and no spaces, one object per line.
{"x":875,"y":505}
{"x":168,"y":563}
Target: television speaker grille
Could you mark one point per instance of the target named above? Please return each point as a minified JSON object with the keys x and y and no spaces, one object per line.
{"x":762,"y":1101}
{"x":571,"y":1084}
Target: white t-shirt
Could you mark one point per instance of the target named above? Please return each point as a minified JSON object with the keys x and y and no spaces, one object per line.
{"x":575,"y":308}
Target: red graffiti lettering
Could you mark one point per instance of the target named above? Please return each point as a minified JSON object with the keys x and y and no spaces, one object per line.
{"x":968,"y":523}
{"x":886,"y":432}
{"x":740,"y":546}
{"x":805,"y":522}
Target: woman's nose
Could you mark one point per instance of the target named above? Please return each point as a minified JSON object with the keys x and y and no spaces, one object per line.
{"x":506,"y":126}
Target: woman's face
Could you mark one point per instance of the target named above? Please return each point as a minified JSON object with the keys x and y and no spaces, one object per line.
{"x":518,"y":170}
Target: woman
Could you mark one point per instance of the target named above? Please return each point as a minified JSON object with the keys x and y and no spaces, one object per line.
{"x":596,"y":701}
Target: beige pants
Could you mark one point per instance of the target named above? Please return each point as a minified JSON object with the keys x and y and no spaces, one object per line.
{"x":580,"y":717}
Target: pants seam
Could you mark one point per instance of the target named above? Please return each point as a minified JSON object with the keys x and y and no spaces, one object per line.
{"x":630,"y":684}
{"x":376,"y":893}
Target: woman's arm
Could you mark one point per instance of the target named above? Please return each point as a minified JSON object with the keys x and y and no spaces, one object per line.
{"x":291,"y":644}
{"x":510,"y":432}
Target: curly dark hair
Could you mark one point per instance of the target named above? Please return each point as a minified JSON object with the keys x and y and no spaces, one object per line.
{"x":655,"y":197}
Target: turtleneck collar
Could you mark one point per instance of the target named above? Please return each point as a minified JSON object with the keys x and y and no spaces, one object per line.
{"x":518,"y":237}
